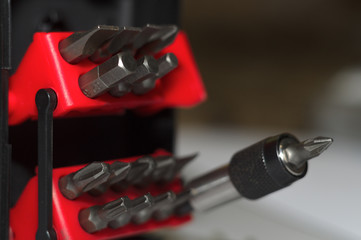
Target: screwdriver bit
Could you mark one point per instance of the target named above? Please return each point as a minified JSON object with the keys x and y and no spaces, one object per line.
{"x":96,"y":218}
{"x":166,"y":63}
{"x":119,"y":171}
{"x":140,"y":172}
{"x":81,"y":45}
{"x":142,"y":209}
{"x":163,"y":38}
{"x":147,"y":67}
{"x":167,"y":167}
{"x":134,"y":207}
{"x":163,"y":206}
{"x":121,"y":41}
{"x":101,"y":78}
{"x":90,"y":176}
{"x":295,"y":155}
{"x":263,"y":168}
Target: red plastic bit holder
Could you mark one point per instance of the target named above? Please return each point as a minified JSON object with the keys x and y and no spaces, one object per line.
{"x":24,"y":219}
{"x":43,"y":67}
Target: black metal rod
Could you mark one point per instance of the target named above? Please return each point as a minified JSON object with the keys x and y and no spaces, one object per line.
{"x":5,"y":148}
{"x":46,"y":101}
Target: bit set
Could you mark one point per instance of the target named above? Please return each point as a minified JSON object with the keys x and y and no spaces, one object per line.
{"x":107,"y":70}
{"x":122,"y":211}
{"x":119,"y":72}
{"x":96,"y":178}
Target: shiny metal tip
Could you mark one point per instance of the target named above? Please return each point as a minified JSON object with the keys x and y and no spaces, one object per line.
{"x":317,"y":145}
{"x":295,"y":154}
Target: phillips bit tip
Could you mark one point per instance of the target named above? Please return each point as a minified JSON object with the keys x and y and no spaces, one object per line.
{"x":295,"y":155}
{"x":317,"y":145}
{"x":92,"y":175}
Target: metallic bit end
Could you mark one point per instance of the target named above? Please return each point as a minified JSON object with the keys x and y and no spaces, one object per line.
{"x":317,"y":145}
{"x":295,"y":154}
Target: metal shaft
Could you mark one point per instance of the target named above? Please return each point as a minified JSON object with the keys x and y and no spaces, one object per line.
{"x":254,"y":172}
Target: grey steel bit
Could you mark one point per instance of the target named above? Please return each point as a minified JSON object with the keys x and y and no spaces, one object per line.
{"x":92,"y":175}
{"x":134,"y":207}
{"x":167,"y":167}
{"x":163,"y":206}
{"x":153,"y":38}
{"x":166,"y":64}
{"x":163,"y":38}
{"x":119,"y":171}
{"x":147,"y":67}
{"x":140,"y":171}
{"x":297,"y":154}
{"x":81,"y":45}
{"x":144,"y":178}
{"x":142,"y":209}
{"x":103,"y":77}
{"x":119,"y":42}
{"x":96,"y":218}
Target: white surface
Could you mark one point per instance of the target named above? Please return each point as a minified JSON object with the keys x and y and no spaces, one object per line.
{"x":323,"y":205}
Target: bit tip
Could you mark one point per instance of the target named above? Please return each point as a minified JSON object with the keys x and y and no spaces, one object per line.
{"x":317,"y":145}
{"x":296,"y":154}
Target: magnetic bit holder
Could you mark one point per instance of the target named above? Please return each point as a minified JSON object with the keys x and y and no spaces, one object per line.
{"x":46,"y":101}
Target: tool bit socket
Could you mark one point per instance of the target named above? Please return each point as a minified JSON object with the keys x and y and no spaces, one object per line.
{"x":81,"y":45}
{"x":147,"y":67}
{"x":101,"y":78}
{"x":92,"y":175}
{"x":166,"y":63}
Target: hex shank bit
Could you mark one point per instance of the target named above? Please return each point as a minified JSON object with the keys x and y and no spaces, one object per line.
{"x":153,"y":38}
{"x":119,"y":171}
{"x":96,"y":218}
{"x":147,"y":67}
{"x":142,"y":209}
{"x":101,"y":78}
{"x":119,"y":42}
{"x":164,"y":37}
{"x":92,"y":175}
{"x":163,"y":206}
{"x":135,"y":206}
{"x":167,"y":167}
{"x":81,"y":45}
{"x":166,"y":63}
